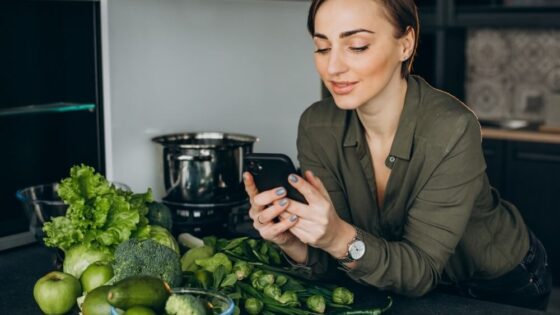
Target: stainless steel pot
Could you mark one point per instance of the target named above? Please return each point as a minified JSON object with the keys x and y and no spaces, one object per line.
{"x":204,"y":166}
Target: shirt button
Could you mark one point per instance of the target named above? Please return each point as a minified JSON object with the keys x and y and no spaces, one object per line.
{"x":392,"y":159}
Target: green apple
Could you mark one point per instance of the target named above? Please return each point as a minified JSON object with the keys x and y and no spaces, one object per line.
{"x":56,"y":292}
{"x":96,"y":275}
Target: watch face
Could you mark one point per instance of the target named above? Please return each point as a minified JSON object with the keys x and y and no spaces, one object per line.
{"x":357,"y":249}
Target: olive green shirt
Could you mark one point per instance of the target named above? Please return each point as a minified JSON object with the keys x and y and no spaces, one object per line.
{"x":440,"y":221}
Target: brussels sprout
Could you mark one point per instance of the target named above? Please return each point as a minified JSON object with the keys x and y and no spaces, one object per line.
{"x":264,"y":280}
{"x":281,"y":280}
{"x":289,"y":298}
{"x":272,"y":291}
{"x":252,"y":243}
{"x":256,"y":274}
{"x":342,"y":296}
{"x":242,"y":269}
{"x":316,"y":303}
{"x":253,"y":306}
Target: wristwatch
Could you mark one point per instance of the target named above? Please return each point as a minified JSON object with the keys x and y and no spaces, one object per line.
{"x":356,"y":249}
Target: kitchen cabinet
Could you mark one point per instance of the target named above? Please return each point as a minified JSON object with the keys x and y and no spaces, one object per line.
{"x":528,"y":175}
{"x":444,"y":24}
{"x":50,"y":100}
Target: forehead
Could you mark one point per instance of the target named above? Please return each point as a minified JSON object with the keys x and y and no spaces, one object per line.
{"x":343,"y":15}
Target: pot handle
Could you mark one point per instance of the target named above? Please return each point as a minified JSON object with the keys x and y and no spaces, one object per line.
{"x":197,"y":158}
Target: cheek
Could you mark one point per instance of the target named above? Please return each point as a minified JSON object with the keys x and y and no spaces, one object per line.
{"x":376,"y":65}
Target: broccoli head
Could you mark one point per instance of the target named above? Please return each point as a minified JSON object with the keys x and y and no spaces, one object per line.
{"x":184,"y":304}
{"x":147,"y":257}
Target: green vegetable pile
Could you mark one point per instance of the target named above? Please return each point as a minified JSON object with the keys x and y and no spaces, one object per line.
{"x":129,"y":234}
{"x":100,"y":217}
{"x":251,"y":272}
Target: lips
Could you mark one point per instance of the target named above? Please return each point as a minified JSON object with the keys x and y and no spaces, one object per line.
{"x":343,"y":87}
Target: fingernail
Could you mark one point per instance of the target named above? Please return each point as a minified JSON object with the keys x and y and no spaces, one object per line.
{"x":293,"y":218}
{"x":244,"y":176}
{"x":293,"y":178}
{"x":280,"y":191}
{"x":283,"y":202}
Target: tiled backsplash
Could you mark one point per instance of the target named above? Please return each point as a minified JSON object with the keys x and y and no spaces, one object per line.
{"x":514,"y":74}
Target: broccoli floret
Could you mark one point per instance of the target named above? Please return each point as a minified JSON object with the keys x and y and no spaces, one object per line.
{"x":184,"y":304}
{"x":147,"y":257}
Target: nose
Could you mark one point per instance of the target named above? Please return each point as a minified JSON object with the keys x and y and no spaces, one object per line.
{"x":336,"y":63}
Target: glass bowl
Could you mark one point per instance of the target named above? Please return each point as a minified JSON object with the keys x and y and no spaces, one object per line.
{"x":215,"y":300}
{"x":41,"y":203}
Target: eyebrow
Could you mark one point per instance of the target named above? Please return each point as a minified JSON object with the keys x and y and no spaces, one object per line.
{"x":345,"y":34}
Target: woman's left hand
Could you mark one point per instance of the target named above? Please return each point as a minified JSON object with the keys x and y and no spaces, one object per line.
{"x":318,"y":225}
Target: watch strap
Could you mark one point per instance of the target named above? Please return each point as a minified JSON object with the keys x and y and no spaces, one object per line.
{"x":347,"y":258}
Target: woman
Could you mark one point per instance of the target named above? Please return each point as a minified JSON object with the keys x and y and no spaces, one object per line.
{"x":394,"y":173}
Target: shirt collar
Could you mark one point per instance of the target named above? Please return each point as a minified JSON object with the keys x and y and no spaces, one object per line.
{"x":402,"y":144}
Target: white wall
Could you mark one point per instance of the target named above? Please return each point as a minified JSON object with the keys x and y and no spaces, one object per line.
{"x":241,"y":66}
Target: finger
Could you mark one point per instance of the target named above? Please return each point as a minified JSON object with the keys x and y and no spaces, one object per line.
{"x":310,"y":193}
{"x":317,"y":183}
{"x":270,"y":213}
{"x":250,"y":186}
{"x":299,"y":209}
{"x":268,"y":197}
{"x":273,"y":230}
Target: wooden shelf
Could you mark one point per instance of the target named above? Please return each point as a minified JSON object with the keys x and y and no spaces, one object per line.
{"x":520,"y":135}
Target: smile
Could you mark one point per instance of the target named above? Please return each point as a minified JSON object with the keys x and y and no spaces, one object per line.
{"x":343,"y":87}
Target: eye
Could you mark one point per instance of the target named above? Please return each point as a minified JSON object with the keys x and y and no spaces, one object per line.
{"x":322,"y":51}
{"x":359,"y":48}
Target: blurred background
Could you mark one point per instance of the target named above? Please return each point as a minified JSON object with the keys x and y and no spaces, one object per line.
{"x":94,"y":81}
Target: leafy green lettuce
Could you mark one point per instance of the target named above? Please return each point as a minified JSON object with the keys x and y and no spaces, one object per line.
{"x":99,"y":214}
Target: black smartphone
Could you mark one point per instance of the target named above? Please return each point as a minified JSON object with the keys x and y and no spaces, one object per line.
{"x":271,"y":170}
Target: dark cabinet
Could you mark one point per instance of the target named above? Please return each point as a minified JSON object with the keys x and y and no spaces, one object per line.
{"x":50,"y":99}
{"x":528,"y":175}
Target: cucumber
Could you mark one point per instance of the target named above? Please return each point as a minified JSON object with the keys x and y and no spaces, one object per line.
{"x":139,"y":290}
{"x":139,"y":310}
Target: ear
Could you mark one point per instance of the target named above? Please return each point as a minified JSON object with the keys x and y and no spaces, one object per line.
{"x":407,"y":43}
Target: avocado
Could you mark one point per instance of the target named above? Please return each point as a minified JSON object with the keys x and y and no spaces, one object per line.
{"x":96,"y":302}
{"x":139,"y":290}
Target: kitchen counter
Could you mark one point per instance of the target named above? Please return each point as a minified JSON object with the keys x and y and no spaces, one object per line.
{"x":21,"y":267}
{"x":520,"y":135}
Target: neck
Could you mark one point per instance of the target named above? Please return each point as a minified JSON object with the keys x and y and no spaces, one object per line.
{"x":380,"y":115}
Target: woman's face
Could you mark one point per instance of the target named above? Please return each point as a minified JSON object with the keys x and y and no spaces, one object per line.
{"x":357,"y":53}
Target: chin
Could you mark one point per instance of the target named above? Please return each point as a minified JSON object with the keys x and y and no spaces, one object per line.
{"x":346,"y":103}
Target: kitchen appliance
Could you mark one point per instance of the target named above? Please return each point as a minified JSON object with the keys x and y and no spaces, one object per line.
{"x":203,"y":181}
{"x":203,"y":219}
{"x":204,"y":166}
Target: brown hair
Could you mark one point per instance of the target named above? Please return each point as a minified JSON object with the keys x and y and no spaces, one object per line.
{"x":403,"y":14}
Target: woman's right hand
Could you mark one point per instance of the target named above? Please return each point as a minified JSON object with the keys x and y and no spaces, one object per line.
{"x":268,"y":213}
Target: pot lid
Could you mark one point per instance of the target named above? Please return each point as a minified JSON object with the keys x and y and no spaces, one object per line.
{"x":204,"y":140}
